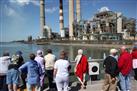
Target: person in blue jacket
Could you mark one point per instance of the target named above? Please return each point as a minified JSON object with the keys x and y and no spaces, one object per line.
{"x":34,"y":71}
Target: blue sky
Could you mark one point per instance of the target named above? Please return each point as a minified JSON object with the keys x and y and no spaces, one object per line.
{"x":20,"y":18}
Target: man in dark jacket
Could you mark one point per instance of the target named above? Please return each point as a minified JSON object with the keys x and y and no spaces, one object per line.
{"x":111,"y":71}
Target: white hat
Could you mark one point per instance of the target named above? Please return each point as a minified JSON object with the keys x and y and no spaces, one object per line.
{"x":113,"y":50}
{"x":39,"y":52}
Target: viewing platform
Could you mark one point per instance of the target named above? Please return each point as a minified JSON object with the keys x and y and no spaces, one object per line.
{"x":94,"y":85}
{"x":97,"y":86}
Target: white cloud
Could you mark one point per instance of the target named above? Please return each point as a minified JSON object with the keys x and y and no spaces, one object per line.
{"x":35,"y":2}
{"x":25,"y":2}
{"x":102,"y":9}
{"x":51,"y":10}
{"x":12,"y":13}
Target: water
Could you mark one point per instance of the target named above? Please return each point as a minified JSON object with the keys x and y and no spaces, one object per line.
{"x":92,"y":52}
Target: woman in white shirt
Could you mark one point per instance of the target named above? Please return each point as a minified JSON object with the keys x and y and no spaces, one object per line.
{"x":61,"y":73}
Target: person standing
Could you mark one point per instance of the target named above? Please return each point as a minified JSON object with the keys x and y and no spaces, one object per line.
{"x":23,"y":75}
{"x":34,"y":72}
{"x":49,"y":66}
{"x":134,"y":61}
{"x":111,"y":71}
{"x":61,"y":73}
{"x":20,"y":59}
{"x":81,"y":68}
{"x":12,"y":78}
{"x":39,"y":58}
{"x":5,"y":60}
{"x":125,"y":67}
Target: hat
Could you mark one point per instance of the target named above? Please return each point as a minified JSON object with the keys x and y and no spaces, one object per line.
{"x":40,"y":52}
{"x":113,"y":50}
{"x":19,"y":53}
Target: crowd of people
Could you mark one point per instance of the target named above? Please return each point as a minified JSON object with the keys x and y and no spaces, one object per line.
{"x":118,"y":69}
{"x":16,"y":74}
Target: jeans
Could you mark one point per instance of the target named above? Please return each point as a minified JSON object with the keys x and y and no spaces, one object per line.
{"x":12,"y":77}
{"x":3,"y":85}
{"x":125,"y":82}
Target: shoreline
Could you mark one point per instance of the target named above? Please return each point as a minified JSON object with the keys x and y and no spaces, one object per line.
{"x":85,"y":43}
{"x":93,"y":45}
{"x":103,"y":45}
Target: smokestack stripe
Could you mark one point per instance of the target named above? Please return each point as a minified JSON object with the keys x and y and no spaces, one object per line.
{"x":61,"y":19}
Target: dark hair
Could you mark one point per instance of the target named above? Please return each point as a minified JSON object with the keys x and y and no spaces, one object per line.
{"x":49,"y":51}
{"x":32,"y":56}
{"x":6,"y":53}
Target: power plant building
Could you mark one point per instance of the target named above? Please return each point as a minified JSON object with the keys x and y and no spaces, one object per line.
{"x":105,"y":25}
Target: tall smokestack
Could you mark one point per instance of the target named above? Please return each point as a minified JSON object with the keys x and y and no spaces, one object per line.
{"x":42,"y":16}
{"x":78,"y":10}
{"x":71,"y":18}
{"x":61,"y":19}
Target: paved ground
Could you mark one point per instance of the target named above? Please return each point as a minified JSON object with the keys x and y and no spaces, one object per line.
{"x":96,"y":86}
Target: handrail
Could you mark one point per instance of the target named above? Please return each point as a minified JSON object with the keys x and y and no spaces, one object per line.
{"x":92,"y":60}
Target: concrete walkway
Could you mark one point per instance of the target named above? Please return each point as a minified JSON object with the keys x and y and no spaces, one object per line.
{"x":97,"y":86}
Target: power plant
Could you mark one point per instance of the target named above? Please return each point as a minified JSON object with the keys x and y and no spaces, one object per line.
{"x":61,"y":19}
{"x":78,"y":10}
{"x":42,"y":17}
{"x":71,"y":18}
{"x":104,"y":25}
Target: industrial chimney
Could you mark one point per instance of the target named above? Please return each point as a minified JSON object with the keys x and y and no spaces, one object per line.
{"x":78,"y":10}
{"x":71,"y":18}
{"x":61,"y":19}
{"x":42,"y":17}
